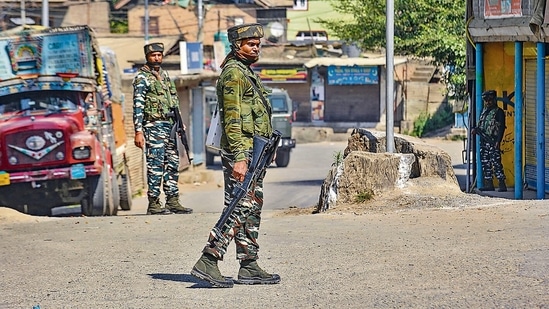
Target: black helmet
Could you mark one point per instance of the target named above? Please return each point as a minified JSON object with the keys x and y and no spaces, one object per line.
{"x":489,"y":95}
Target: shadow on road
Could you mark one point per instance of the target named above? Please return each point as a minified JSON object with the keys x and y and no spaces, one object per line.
{"x":184,"y":278}
{"x":312,"y":182}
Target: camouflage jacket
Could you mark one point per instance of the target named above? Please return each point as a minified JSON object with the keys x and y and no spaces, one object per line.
{"x":153,"y":95}
{"x":241,"y":109}
{"x":492,"y":122}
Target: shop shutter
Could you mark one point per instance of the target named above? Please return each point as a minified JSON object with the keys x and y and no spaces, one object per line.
{"x":530,"y":124}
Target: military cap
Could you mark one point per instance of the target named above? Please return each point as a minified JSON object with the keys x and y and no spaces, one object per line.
{"x":245,"y":31}
{"x":153,"y":47}
{"x":488,"y":95}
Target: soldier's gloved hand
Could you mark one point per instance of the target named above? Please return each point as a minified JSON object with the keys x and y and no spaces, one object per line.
{"x":239,"y":170}
{"x":139,"y":139}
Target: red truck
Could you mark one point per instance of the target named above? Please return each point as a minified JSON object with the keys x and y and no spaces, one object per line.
{"x":62,"y":138}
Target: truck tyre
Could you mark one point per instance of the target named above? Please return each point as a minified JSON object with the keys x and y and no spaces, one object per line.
{"x":209,"y":158}
{"x":282,"y":157}
{"x":94,"y":204}
{"x":125,"y":190}
{"x":115,"y":202}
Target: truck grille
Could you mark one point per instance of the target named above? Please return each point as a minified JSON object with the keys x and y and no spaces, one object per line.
{"x":36,"y":146}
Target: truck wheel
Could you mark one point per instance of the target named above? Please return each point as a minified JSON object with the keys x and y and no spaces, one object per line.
{"x":94,"y":204}
{"x":125,"y":190}
{"x":209,"y":158}
{"x":282,"y":157}
{"x":115,"y":202}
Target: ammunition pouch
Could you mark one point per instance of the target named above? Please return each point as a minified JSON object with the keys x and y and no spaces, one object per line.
{"x":151,"y":118}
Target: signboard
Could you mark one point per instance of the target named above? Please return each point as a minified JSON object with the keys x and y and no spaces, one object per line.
{"x":46,"y":54}
{"x":502,"y":8}
{"x":285,"y":75}
{"x":355,"y":75}
{"x":191,"y":57}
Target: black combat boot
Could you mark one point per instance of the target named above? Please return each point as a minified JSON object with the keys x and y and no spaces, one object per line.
{"x":502,"y":187}
{"x":251,"y":273}
{"x":155,"y":207}
{"x":488,"y":185}
{"x":172,"y":203}
{"x":206,"y":269}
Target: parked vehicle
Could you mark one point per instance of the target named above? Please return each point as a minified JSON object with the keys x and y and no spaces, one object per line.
{"x":312,"y":35}
{"x":62,"y":138}
{"x":281,"y":119}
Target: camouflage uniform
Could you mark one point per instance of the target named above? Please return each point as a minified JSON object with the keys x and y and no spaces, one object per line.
{"x":154,"y":93}
{"x":492,"y":123}
{"x":243,"y":115}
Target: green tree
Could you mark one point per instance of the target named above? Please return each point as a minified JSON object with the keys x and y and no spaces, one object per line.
{"x":433,"y":29}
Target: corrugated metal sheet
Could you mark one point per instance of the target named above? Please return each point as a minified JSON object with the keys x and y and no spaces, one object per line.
{"x":500,"y":30}
{"x":351,"y":61}
{"x":530,"y":144}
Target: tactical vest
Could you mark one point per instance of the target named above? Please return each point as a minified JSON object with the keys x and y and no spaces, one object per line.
{"x":488,"y":121}
{"x":158,"y":99}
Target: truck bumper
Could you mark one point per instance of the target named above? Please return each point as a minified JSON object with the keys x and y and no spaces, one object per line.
{"x":71,"y":172}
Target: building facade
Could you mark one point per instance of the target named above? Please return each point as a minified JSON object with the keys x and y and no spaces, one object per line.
{"x":506,"y":51}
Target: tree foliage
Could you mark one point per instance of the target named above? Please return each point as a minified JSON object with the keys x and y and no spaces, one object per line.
{"x":433,"y":29}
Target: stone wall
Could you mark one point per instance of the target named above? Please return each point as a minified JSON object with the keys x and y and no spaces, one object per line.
{"x":367,"y":169}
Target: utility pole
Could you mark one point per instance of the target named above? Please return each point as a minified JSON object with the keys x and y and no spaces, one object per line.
{"x":146,"y":21}
{"x":45,"y":13}
{"x":23,"y":14}
{"x":389,"y":76}
{"x":200,"y":34}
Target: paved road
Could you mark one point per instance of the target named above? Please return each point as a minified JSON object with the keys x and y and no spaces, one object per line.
{"x":482,"y":256}
{"x":297,"y":185}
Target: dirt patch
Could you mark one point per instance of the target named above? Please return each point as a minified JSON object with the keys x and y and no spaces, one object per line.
{"x":399,"y":200}
{"x":8,"y":215}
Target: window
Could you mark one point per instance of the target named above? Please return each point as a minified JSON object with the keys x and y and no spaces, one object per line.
{"x":154,"y":27}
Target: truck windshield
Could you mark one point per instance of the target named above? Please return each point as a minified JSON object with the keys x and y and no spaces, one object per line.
{"x":279,"y":104}
{"x":38,"y":102}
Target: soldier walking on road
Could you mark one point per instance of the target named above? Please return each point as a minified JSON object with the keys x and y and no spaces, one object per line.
{"x":490,"y":128}
{"x":244,"y":113}
{"x":153,"y":95}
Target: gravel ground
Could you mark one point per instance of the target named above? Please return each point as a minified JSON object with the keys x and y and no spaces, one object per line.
{"x":491,"y":255}
{"x":416,"y":248}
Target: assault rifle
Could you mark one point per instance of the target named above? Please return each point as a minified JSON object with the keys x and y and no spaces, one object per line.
{"x":179,"y":129}
{"x":485,"y":136}
{"x":263,"y":154}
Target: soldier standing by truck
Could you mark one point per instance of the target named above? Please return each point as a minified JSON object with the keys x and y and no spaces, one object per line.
{"x":154,"y":94}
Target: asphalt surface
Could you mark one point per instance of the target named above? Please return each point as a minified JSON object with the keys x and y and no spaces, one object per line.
{"x":493,"y":255}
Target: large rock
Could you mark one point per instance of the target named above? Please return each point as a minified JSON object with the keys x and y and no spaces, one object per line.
{"x":367,"y":171}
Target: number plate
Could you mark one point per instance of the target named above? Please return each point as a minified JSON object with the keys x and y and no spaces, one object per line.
{"x":4,"y":179}
{"x":78,"y":171}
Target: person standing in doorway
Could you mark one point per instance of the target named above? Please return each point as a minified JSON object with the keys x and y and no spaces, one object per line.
{"x":490,"y":128}
{"x":244,"y":113}
{"x":153,"y":95}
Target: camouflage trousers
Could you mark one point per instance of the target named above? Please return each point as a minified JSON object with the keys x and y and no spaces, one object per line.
{"x":162,"y":159}
{"x":490,"y":159}
{"x":243,"y":224}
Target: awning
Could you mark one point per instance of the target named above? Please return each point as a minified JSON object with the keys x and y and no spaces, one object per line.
{"x":349,"y":62}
